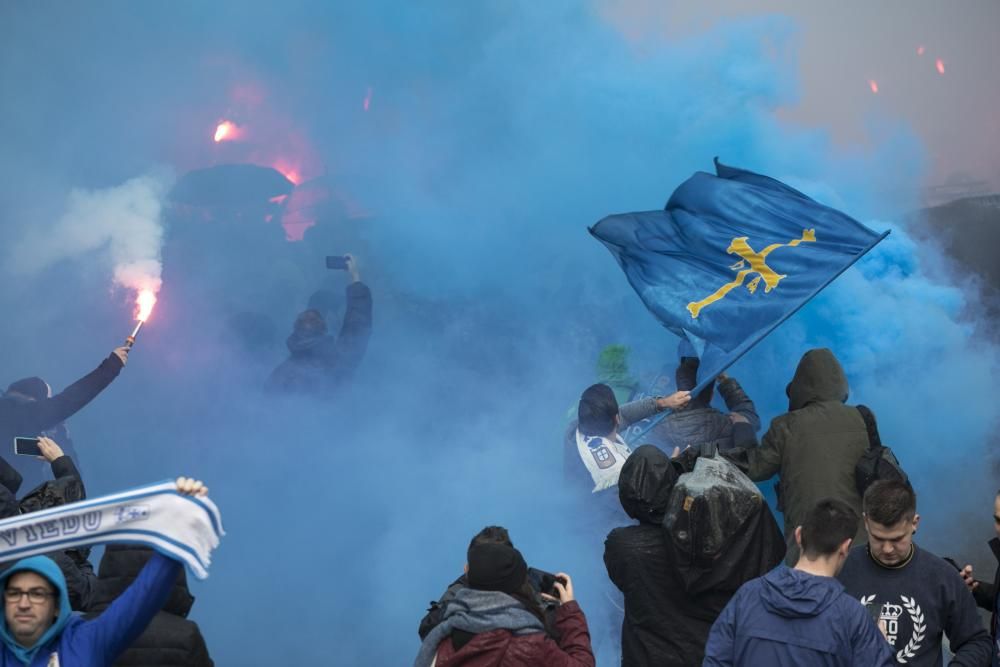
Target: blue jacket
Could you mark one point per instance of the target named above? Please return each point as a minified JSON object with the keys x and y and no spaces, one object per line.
{"x":794,"y":619}
{"x":98,"y":642}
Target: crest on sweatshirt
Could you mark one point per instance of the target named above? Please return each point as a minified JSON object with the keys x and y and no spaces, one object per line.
{"x":54,"y":660}
{"x":888,"y":619}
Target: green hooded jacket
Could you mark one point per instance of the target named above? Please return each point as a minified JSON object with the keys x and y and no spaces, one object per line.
{"x":816,"y":444}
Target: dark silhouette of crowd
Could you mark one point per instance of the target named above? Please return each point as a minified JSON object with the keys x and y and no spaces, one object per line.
{"x":706,"y":575}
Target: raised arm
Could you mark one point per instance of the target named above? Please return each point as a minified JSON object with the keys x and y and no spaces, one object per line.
{"x":62,"y":465}
{"x":737,"y":401}
{"x":356,"y":329}
{"x":644,"y":408}
{"x":125,"y":619}
{"x":36,"y":416}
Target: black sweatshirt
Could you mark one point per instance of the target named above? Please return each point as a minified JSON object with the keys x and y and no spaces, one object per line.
{"x":918,"y":602}
{"x":30,"y":418}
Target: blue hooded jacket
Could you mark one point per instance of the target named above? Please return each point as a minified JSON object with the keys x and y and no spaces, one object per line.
{"x":795,"y":619}
{"x":94,"y":643}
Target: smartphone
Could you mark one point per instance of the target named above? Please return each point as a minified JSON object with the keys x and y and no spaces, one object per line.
{"x":27,"y":447}
{"x":337,"y":262}
{"x":544,"y":582}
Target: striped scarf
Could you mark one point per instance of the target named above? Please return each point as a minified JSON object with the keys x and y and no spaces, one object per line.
{"x":185,"y":528}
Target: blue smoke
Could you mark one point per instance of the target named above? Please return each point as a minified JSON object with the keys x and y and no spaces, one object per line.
{"x":497,"y":133}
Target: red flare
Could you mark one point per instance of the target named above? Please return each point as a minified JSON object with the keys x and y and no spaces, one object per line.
{"x":873,"y":84}
{"x":920,"y":50}
{"x":289,"y":171}
{"x":227,"y":131}
{"x":940,"y":66}
{"x":368,"y":99}
{"x":144,"y":304}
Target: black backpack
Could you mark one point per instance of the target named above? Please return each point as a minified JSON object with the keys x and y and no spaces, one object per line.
{"x":878,"y":461}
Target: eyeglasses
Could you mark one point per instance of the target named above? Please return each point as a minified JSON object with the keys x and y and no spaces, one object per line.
{"x":35,"y":595}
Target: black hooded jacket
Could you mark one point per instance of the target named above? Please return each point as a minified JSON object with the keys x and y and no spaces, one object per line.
{"x":170,"y":640}
{"x":663,"y":625}
{"x":319,"y":363}
{"x":19,"y":417}
{"x":669,"y":610}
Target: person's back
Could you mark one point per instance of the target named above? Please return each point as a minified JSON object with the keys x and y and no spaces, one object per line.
{"x":702,"y":426}
{"x":170,"y":639}
{"x":802,"y":616}
{"x":495,"y":622}
{"x":816,"y":444}
{"x":663,"y":624}
{"x":793,"y":618}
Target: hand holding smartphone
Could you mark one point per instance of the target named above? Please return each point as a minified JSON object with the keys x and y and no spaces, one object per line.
{"x":27,"y":447}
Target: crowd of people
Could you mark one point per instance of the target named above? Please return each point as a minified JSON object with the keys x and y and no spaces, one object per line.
{"x":706,"y":575}
{"x":133,"y":611}
{"x":57,"y":609}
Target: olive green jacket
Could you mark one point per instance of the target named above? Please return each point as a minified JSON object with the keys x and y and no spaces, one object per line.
{"x":815,"y":445}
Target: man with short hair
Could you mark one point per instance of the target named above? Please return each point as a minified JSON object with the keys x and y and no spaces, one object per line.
{"x":39,"y":627}
{"x":918,"y":596}
{"x":801,"y":616}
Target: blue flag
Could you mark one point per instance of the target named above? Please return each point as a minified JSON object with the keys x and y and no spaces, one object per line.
{"x":730,"y":258}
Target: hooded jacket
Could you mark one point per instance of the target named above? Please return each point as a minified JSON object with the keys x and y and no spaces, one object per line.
{"x":815,"y":445}
{"x":317,"y":362}
{"x":667,"y":618}
{"x":171,"y":640}
{"x":789,"y":618}
{"x":94,"y":643}
{"x":19,"y":417}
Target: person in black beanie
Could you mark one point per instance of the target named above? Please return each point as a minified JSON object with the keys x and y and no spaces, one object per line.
{"x":27,"y":409}
{"x":497,"y":616}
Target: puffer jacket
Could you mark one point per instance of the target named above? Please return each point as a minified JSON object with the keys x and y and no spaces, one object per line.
{"x":170,"y":640}
{"x":701,"y":426}
{"x":815,"y":445}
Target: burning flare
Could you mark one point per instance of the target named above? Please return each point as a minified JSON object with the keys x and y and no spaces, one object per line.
{"x":873,"y":84}
{"x":920,"y":50}
{"x":940,"y":66}
{"x":227,"y":131}
{"x":144,"y":304}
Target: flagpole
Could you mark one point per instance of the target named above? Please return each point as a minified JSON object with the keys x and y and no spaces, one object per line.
{"x":764,"y":333}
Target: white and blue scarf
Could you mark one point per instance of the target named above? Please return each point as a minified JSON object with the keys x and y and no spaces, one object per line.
{"x":185,"y":528}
